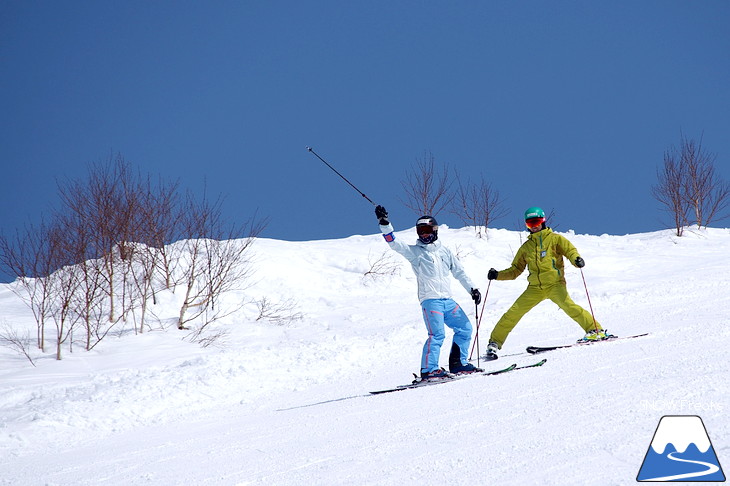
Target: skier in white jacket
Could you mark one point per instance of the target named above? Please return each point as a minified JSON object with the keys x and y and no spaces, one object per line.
{"x":433,"y":264}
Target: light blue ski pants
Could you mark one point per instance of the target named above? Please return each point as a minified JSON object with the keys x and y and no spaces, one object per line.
{"x":436,"y":313}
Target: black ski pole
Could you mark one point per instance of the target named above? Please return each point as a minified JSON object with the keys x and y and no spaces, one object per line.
{"x":476,"y":316}
{"x":595,"y":324}
{"x":479,"y":322}
{"x":343,"y":177}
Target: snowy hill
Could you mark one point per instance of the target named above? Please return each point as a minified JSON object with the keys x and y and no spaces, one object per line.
{"x":287,"y":402}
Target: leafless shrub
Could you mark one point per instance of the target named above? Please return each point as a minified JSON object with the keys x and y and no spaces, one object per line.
{"x":217,"y":260}
{"x":31,"y":257}
{"x":689,"y":188}
{"x":478,"y":205}
{"x":669,"y":190}
{"x":107,"y":208}
{"x":107,"y":253}
{"x":12,"y":339}
{"x":119,"y":223}
{"x":208,"y":338}
{"x":279,"y":313}
{"x":384,"y":265}
{"x":427,"y":191}
{"x":43,"y":260}
{"x":706,"y":194}
{"x":153,"y":267}
{"x":460,"y":253}
{"x":66,"y":282}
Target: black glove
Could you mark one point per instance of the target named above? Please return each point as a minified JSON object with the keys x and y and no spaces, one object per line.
{"x":579,"y":262}
{"x":492,"y":275}
{"x":382,"y":215}
{"x":476,"y":296}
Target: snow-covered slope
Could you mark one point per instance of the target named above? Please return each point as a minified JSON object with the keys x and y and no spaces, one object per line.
{"x":287,"y":404}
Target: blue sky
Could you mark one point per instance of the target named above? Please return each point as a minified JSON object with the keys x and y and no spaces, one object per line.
{"x":568,"y":105}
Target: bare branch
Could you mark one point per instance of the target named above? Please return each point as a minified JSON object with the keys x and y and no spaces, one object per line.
{"x":11,"y":338}
{"x":383,"y":266}
{"x":427,"y":191}
{"x":478,"y":205}
{"x":278,"y":313}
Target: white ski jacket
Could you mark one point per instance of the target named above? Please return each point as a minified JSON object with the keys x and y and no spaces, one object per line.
{"x":432,"y":265}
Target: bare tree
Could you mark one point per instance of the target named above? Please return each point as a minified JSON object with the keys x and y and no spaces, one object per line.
{"x":88,"y":298}
{"x":44,"y":260}
{"x":98,"y":203}
{"x":669,"y":190}
{"x":162,"y":217}
{"x":427,"y":191}
{"x":32,"y":257}
{"x":115,"y":202}
{"x":65,"y":282}
{"x":706,"y":194}
{"x":217,"y":260}
{"x":151,"y":265}
{"x":688,"y":184}
{"x":478,"y":205}
{"x":108,"y":252}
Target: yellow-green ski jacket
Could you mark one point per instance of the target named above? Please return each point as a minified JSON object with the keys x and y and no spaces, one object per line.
{"x":542,"y":254}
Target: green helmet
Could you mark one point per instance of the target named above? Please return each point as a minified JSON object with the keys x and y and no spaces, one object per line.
{"x":534,"y":212}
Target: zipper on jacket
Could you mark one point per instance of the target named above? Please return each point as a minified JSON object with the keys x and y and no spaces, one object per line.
{"x":556,"y":267}
{"x":537,"y":261}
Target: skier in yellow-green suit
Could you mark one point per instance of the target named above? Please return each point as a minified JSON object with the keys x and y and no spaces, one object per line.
{"x":542,"y":254}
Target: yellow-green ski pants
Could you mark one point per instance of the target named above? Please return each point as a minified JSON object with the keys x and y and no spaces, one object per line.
{"x":558,"y":293}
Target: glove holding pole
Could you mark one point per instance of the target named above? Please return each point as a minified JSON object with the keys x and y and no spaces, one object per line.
{"x":382,"y":215}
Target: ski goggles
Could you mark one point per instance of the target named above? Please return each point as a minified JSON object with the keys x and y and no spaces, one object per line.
{"x":534,"y":222}
{"x":426,"y":230}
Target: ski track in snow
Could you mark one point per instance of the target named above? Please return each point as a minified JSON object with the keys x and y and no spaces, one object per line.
{"x":267,"y":407}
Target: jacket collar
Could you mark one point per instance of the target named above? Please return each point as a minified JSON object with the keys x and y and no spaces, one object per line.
{"x":540,"y":234}
{"x":429,"y":246}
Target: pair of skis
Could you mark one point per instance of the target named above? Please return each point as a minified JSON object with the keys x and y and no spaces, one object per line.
{"x":420,"y":383}
{"x":530,"y":349}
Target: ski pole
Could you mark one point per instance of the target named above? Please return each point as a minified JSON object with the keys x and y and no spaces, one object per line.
{"x":476,"y":316}
{"x":595,"y":324}
{"x":336,"y":172}
{"x":479,"y":322}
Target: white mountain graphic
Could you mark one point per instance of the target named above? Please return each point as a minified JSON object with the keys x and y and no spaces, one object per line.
{"x":681,"y":451}
{"x":680,"y":431}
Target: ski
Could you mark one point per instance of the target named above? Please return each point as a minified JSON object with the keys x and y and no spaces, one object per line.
{"x":418,"y":383}
{"x":542,"y":349}
{"x":533,"y":365}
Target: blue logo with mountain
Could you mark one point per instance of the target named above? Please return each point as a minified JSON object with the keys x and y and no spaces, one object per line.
{"x":681,"y":451}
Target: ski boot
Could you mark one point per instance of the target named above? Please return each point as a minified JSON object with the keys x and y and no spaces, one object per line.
{"x":492,"y":349}
{"x":435,"y":375}
{"x":599,"y":335}
{"x":464,"y":369}
{"x":456,"y":367}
